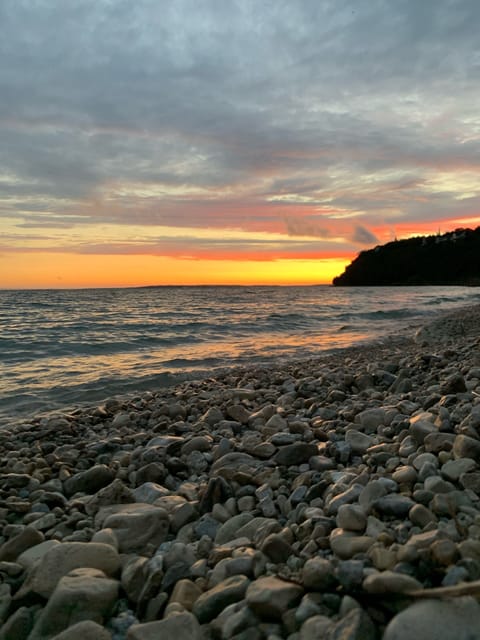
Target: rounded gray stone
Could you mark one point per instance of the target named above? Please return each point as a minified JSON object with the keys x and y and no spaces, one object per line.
{"x":437,"y":620}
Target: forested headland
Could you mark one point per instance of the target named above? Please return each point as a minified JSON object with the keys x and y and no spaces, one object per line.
{"x":449,"y":259}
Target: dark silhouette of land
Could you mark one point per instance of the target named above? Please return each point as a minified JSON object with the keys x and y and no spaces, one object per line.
{"x":449,"y":259}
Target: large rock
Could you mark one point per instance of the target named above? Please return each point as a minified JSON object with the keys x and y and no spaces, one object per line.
{"x":65,"y":557}
{"x":437,"y":620}
{"x":139,"y":528}
{"x":83,"y":594}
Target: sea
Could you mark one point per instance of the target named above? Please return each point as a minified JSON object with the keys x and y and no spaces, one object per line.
{"x":64,"y":349}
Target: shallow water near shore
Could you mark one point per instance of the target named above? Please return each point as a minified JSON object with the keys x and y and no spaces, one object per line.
{"x":65,"y":348}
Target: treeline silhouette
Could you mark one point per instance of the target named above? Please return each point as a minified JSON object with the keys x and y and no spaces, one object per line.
{"x":449,"y":259}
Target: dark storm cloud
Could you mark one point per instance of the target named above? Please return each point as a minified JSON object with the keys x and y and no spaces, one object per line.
{"x":348,"y":104}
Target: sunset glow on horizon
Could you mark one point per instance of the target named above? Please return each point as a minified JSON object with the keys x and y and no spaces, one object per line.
{"x":230,"y":143}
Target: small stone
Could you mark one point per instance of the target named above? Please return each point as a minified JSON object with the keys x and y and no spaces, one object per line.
{"x":12,"y":548}
{"x":372,"y":491}
{"x":30,"y":557}
{"x":455,"y":383}
{"x":404,"y":475}
{"x":359,"y":442}
{"x":84,"y":630}
{"x":89,"y":481}
{"x":120,"y":420}
{"x":46,"y":522}
{"x":436,"y":484}
{"x":5,"y":601}
{"x":371,"y":419}
{"x":420,"y":429}
{"x":114,"y":493}
{"x":246,"y":503}
{"x":421,"y":516}
{"x":276,"y":548}
{"x":138,"y":527}
{"x":270,"y":597}
{"x":390,"y":582}
{"x":453,"y":469}
{"x":437,"y":442}
{"x":382,"y":558}
{"x":351,"y":517}
{"x":471,"y":481}
{"x":350,"y":574}
{"x":295,"y":453}
{"x":318,"y":574}
{"x":315,"y":628}
{"x":19,"y":624}
{"x":229,"y":530}
{"x":214,"y":601}
{"x":355,"y":625}
{"x":231,"y":465}
{"x":444,"y":552}
{"x":235,"y":619}
{"x":186,"y":593}
{"x":154,"y":472}
{"x":394,"y":505}
{"x":466,"y":447}
{"x":238,"y":412}
{"x":345,"y":544}
{"x":177,"y":626}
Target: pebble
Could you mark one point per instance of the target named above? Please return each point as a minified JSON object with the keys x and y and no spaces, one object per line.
{"x":270,"y":597}
{"x":390,"y":582}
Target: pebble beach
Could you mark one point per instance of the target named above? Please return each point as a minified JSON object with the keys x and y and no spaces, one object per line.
{"x":336,"y":498}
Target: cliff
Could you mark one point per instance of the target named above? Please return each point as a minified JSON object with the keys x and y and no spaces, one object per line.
{"x":449,"y":259}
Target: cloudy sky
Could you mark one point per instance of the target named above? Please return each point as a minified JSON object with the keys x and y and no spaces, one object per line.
{"x":162,"y":141}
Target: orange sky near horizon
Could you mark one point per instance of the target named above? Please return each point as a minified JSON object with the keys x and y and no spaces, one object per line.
{"x":34,"y":268}
{"x":59,"y":271}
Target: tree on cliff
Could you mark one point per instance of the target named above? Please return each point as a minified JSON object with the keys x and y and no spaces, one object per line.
{"x":451,"y":258}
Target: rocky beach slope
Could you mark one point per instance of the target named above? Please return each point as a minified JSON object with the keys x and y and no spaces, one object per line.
{"x":337,"y":499}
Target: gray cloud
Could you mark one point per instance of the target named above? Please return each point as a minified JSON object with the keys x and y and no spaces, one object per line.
{"x":361,"y":235}
{"x":314,"y":104}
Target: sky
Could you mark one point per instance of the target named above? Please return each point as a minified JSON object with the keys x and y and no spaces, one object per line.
{"x":230,"y":141}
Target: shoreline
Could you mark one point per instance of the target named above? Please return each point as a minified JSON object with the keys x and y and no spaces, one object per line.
{"x":267,"y":502}
{"x":405,"y":338}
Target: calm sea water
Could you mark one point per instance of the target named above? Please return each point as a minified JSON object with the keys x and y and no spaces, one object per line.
{"x":60,"y":349}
